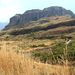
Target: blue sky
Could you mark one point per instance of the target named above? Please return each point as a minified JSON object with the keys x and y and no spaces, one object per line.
{"x":9,"y":8}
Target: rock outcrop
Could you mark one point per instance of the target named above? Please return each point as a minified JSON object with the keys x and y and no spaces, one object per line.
{"x":19,"y":20}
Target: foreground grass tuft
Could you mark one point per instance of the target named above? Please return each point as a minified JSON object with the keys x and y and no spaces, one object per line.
{"x":19,"y":64}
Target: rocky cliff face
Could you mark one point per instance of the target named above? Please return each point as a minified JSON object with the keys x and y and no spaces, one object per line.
{"x":19,"y":20}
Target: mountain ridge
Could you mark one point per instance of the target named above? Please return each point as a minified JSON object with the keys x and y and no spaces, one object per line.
{"x":19,"y":20}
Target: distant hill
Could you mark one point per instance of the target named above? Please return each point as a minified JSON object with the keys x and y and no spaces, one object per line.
{"x":49,"y":27}
{"x":2,"y":25}
{"x":22,"y":20}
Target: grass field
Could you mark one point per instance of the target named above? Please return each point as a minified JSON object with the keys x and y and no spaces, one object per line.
{"x":43,"y":52}
{"x":14,"y":62}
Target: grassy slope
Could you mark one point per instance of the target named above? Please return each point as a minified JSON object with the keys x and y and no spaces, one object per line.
{"x":12,"y":63}
{"x":12,"y":50}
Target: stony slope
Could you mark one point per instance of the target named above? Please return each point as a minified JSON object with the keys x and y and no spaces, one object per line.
{"x":40,"y":32}
{"x":21,"y":20}
{"x":45,"y":28}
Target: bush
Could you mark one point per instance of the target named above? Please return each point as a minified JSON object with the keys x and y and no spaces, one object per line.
{"x":41,"y":45}
{"x":31,"y":34}
{"x":43,"y":56}
{"x":64,"y":37}
{"x":3,"y":33}
{"x":33,"y":46}
{"x":37,"y":54}
{"x":49,"y":24}
{"x":57,"y":53}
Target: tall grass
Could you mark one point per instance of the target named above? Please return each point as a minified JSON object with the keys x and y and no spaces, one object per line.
{"x":15,"y":64}
{"x":12,"y":63}
{"x":19,"y":64}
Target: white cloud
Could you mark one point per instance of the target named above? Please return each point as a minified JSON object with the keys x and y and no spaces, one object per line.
{"x":9,"y":8}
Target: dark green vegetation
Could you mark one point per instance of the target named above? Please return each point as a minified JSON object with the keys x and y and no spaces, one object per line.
{"x":64,"y":37}
{"x":30,"y":30}
{"x":3,"y":33}
{"x":47,"y":37}
{"x":47,"y":27}
{"x":41,"y":45}
{"x":42,"y":56}
{"x":31,"y":34}
{"x":58,"y":54}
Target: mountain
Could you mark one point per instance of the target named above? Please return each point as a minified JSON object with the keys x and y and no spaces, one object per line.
{"x":42,"y":31}
{"x":21,"y":20}
{"x":58,"y":28}
{"x":2,"y":25}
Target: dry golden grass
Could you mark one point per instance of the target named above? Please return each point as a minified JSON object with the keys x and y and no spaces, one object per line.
{"x":23,"y":45}
{"x":19,"y":64}
{"x":13,"y":62}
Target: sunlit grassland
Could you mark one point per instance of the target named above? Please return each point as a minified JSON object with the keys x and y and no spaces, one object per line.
{"x":14,"y":62}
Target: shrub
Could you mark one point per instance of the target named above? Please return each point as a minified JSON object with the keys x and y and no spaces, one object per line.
{"x":37,"y":54}
{"x":41,"y":45}
{"x":3,"y":33}
{"x":64,"y":37}
{"x":31,"y":34}
{"x":43,"y":56}
{"x":49,"y":24}
{"x":33,"y":46}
